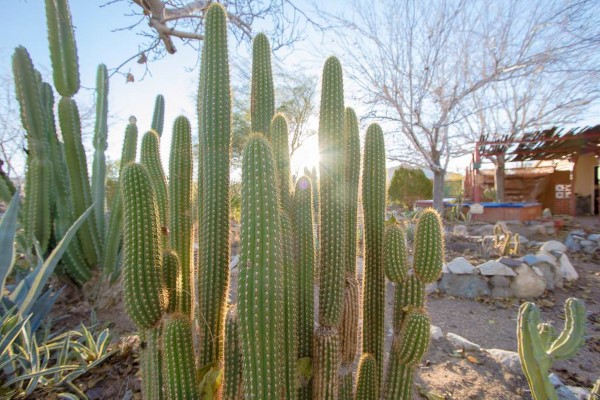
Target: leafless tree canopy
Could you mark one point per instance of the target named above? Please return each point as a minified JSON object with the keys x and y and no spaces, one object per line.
{"x":166,"y":20}
{"x":420,"y":63}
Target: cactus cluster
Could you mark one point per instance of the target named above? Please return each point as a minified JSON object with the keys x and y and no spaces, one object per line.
{"x":539,"y":345}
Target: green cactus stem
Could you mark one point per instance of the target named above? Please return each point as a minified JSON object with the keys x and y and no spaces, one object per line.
{"x":180,"y":194}
{"x":352,"y":140}
{"x":112,"y":242}
{"x":151,"y":364}
{"x":537,"y":354}
{"x":349,"y":324}
{"x":367,"y":387}
{"x":178,"y":359}
{"x":429,"y":247}
{"x":409,"y":294}
{"x":374,"y":173}
{"x":395,"y":258}
{"x":171,"y":281}
{"x":326,"y":362}
{"x":290,"y":316}
{"x":280,"y":145}
{"x":332,"y":191}
{"x":399,"y":381}
{"x":214,"y":100}
{"x":232,"y":384}
{"x":346,"y":390}
{"x":142,"y":246}
{"x":260,"y":304}
{"x":414,"y":335}
{"x":100,"y":145}
{"x":262,"y":97}
{"x":63,"y":51}
{"x":150,"y":159}
{"x":80,"y":191}
{"x":158,"y":118}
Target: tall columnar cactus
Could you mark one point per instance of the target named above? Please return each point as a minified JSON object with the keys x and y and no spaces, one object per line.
{"x":538,"y":355}
{"x":429,"y":247}
{"x":374,"y":174}
{"x":215,"y":141}
{"x":180,"y":196}
{"x":70,"y":125}
{"x":178,"y":358}
{"x":260,"y":304}
{"x":352,"y":140}
{"x":100,"y":145}
{"x":262,"y":97}
{"x":63,"y":51}
{"x":326,"y":362}
{"x":158,"y":118}
{"x":150,"y":159}
{"x":281,"y":151}
{"x":305,"y":252}
{"x":399,"y":381}
{"x":39,"y":172}
{"x":142,"y":245}
{"x":112,"y":242}
{"x":332,"y":201}
{"x":346,"y":390}
{"x":349,"y":324}
{"x":367,"y":387}
{"x":232,"y":383}
{"x":151,"y":364}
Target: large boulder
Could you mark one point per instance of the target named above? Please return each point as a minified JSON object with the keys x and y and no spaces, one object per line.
{"x":468,"y":286}
{"x":553,"y":245}
{"x":494,"y":267}
{"x":527,"y":283}
{"x":510,"y":359}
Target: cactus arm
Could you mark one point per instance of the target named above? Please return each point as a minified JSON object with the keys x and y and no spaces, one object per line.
{"x":279,"y":143}
{"x":115,"y":222}
{"x":409,"y":294}
{"x":367,"y":387}
{"x":415,"y":337}
{"x":262,"y":97}
{"x":429,"y":247}
{"x":595,"y":392}
{"x":571,"y":339}
{"x":180,"y":196}
{"x":215,"y":147}
{"x":331,"y":186}
{"x":346,"y":389}
{"x":374,"y":213}
{"x":395,"y":258}
{"x":170,"y":274}
{"x":150,"y":159}
{"x":78,"y":177}
{"x":232,"y":384}
{"x":100,"y":144}
{"x":151,"y":364}
{"x":352,"y":139}
{"x":260,"y":303}
{"x":63,"y":51}
{"x":158,"y":117}
{"x":142,"y":246}
{"x":178,"y":358}
{"x":547,"y":334}
{"x":349,"y":323}
{"x":399,"y":380}
{"x":326,"y":353}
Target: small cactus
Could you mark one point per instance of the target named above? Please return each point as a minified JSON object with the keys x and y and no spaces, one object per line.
{"x":429,"y":247}
{"x":395,"y":254}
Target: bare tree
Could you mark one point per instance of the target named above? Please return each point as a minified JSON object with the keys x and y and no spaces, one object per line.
{"x":184,"y":19}
{"x":419,"y":62}
{"x":508,"y":109}
{"x":12,"y":135}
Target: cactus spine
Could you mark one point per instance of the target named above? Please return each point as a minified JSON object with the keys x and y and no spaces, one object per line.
{"x":100,"y":145}
{"x":158,"y":118}
{"x":306,"y":264}
{"x":374,"y":213}
{"x":260,"y":304}
{"x":215,"y":143}
{"x":262,"y":97}
{"x":178,"y":359}
{"x":180,"y":196}
{"x":367,"y":387}
{"x":150,"y":159}
{"x":536,"y":356}
{"x":63,"y":51}
{"x":232,"y":385}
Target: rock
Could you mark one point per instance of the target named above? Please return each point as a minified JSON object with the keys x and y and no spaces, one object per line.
{"x":551,"y":275}
{"x":436,"y":332}
{"x":460,"y":230}
{"x":523,"y":240}
{"x":483,"y":230}
{"x":543,"y":257}
{"x":567,"y":270}
{"x":578,"y":232}
{"x":469,"y":286}
{"x":579,"y":392}
{"x":502,"y":292}
{"x":509,"y":359}
{"x":511,"y":262}
{"x":564,"y":393}
{"x":527,"y":283}
{"x":555,"y":380}
{"x":500,"y":281}
{"x":445,"y":269}
{"x":589,"y":249}
{"x":537,"y":230}
{"x":460,"y":266}
{"x":494,"y":267}
{"x":461,"y":343}
{"x":475,"y":208}
{"x":587,"y":242}
{"x":553,"y":245}
{"x":431,"y":287}
{"x":547,"y":213}
{"x":594,"y":236}
{"x":234,"y":261}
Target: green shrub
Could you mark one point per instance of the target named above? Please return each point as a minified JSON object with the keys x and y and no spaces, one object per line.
{"x":409,"y":185}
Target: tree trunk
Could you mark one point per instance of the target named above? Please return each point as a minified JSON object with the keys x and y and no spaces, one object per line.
{"x":438,"y":189}
{"x":499,"y":177}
